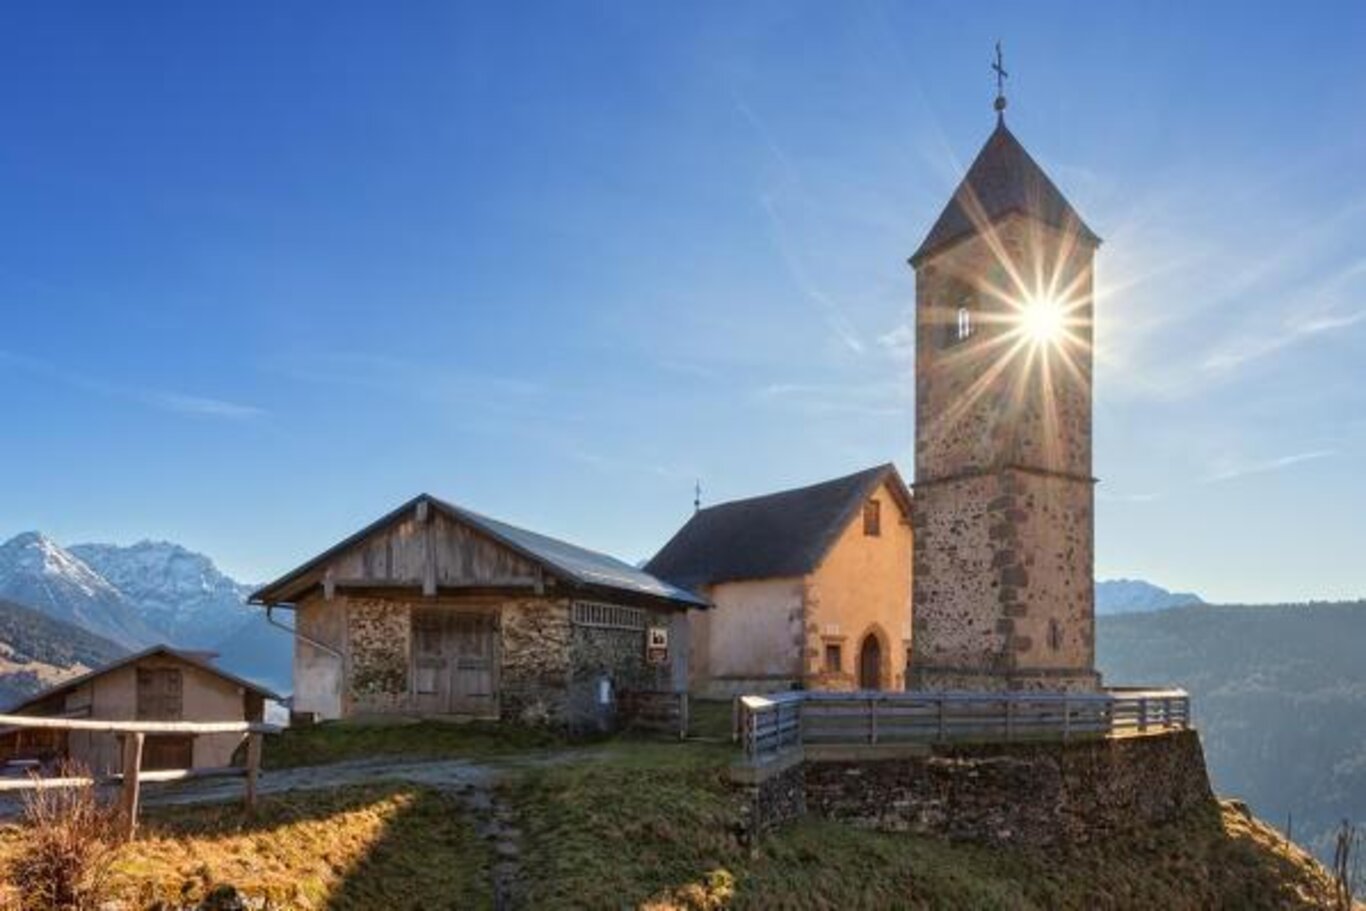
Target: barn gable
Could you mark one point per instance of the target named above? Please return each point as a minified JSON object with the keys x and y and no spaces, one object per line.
{"x":433,"y":547}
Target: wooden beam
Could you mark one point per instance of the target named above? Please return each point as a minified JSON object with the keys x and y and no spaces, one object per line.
{"x":329,"y":585}
{"x":139,"y":727}
{"x":428,"y":555}
{"x":160,"y":776}
{"x":132,"y":784}
{"x":253,"y":769}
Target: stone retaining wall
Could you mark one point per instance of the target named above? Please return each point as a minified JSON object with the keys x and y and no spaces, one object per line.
{"x":1034,"y":793}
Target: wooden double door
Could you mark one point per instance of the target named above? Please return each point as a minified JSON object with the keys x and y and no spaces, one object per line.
{"x":455,"y":661}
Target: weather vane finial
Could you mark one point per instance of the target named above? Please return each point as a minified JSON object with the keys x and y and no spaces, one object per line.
{"x":1001,"y":74}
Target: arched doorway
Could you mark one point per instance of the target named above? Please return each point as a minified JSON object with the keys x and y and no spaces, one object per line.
{"x":870,"y":663}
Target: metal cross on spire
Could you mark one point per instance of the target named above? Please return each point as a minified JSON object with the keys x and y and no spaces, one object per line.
{"x":1001,"y":76}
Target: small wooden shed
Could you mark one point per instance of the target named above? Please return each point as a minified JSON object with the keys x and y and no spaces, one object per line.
{"x":158,"y":684}
{"x":435,"y":610}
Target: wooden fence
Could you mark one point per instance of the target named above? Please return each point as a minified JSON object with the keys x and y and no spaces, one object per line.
{"x":767,"y":725}
{"x":133,"y":734}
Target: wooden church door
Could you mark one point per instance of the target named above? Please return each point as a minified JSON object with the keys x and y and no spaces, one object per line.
{"x":870,"y":664}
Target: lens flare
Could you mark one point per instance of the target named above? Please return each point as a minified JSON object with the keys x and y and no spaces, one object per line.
{"x":1043,"y":320}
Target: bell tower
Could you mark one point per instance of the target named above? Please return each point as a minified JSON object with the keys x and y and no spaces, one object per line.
{"x":1004,"y":497}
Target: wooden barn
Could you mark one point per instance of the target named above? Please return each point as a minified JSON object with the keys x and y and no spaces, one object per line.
{"x":158,"y":684}
{"x":434,"y":610}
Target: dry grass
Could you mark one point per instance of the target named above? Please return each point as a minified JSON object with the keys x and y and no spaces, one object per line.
{"x":381,"y":846}
{"x":73,"y":838}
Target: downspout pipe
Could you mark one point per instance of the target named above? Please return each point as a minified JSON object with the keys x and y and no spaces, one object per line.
{"x":321,"y":646}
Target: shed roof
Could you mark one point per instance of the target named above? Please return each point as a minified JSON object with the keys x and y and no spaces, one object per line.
{"x":1004,"y":178}
{"x":569,"y":563}
{"x":779,"y":535}
{"x":197,"y":659}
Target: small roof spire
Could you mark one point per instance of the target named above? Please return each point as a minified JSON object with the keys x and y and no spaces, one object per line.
{"x":697,"y":496}
{"x":999,"y":67}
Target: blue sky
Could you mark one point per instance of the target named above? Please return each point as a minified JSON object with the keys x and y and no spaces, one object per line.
{"x":267,"y":270}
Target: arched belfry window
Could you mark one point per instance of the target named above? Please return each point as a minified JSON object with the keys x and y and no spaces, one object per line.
{"x":959,"y":304}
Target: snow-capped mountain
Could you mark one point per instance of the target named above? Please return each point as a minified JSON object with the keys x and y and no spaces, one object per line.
{"x":179,"y":593}
{"x":1134,"y":596}
{"x":38,"y":572}
{"x":144,"y":594}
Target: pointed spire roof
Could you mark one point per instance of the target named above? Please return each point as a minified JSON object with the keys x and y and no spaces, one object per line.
{"x":1003,"y":179}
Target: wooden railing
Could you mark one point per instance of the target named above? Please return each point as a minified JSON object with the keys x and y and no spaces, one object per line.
{"x":133,"y":734}
{"x":768,"y":725}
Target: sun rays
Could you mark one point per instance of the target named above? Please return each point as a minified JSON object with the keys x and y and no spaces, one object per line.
{"x":1029,"y":351}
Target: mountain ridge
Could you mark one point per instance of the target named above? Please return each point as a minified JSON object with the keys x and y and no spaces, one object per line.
{"x":143,"y":594}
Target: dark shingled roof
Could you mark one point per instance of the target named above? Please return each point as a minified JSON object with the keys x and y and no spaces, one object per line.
{"x":1003,"y":179}
{"x":771,"y":537}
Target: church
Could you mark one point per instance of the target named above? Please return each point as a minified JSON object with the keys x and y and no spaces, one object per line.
{"x":997,"y":556}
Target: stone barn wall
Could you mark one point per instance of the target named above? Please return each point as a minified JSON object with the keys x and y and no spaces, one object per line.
{"x":548,"y":666}
{"x":379,"y":632}
{"x":535,"y":670}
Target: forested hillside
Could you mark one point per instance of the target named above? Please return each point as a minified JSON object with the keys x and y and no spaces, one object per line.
{"x":1279,"y":697}
{"x":37,"y":650}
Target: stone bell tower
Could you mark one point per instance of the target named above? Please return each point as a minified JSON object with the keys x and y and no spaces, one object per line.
{"x":1004,"y":497}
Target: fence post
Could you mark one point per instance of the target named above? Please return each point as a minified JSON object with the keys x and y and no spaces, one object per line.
{"x":1010,"y":718}
{"x":1066,"y":717}
{"x":128,"y":799}
{"x":872,"y":720}
{"x":253,"y":768}
{"x":1143,"y":713}
{"x":753,"y":732}
{"x":683,"y":708}
{"x":735,"y":719}
{"x":940,"y":700}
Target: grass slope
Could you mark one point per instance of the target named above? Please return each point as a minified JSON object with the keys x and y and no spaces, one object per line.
{"x":632,"y":823}
{"x":651,"y":826}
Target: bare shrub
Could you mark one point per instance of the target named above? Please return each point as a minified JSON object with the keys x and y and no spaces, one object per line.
{"x":1346,"y":864}
{"x":70,"y":841}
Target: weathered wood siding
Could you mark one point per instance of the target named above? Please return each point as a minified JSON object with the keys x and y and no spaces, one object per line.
{"x":439,"y":549}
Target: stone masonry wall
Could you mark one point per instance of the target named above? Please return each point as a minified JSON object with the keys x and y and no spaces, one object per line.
{"x":378,"y":633}
{"x":1038,"y":794}
{"x":1003,"y":587}
{"x":535,"y":671}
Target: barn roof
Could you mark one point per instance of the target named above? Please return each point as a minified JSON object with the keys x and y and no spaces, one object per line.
{"x":576,"y":566}
{"x":775,"y":536}
{"x":199,"y":660}
{"x":1004,"y":178}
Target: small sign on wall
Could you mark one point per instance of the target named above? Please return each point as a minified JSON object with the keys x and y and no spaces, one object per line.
{"x":657,"y":645}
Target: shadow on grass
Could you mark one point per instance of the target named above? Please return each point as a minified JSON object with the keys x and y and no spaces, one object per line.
{"x":391,"y":846}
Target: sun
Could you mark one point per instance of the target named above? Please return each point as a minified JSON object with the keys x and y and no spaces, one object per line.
{"x":1043,"y":320}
